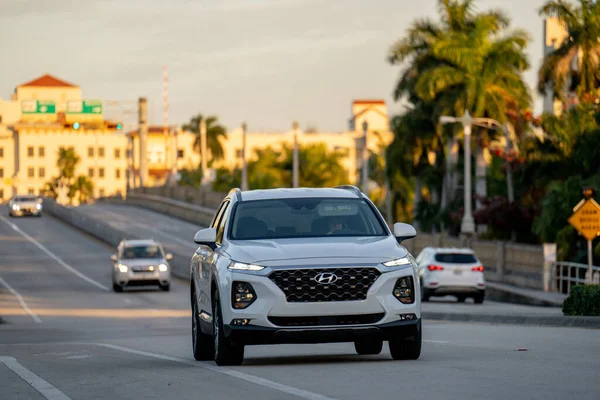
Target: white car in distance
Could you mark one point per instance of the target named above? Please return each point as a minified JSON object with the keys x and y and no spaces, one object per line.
{"x":451,"y":272}
{"x":141,"y":263}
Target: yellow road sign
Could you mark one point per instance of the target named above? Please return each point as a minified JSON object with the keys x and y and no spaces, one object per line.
{"x":586,"y":219}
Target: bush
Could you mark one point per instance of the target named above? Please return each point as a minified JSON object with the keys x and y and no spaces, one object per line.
{"x":583,"y":300}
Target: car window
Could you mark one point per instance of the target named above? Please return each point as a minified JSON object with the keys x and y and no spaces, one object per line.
{"x":217,"y":216}
{"x":223,"y":222}
{"x":455,"y":258}
{"x":304,"y":217}
{"x":141,"y":252}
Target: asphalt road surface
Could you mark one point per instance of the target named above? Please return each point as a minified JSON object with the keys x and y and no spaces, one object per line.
{"x":67,"y":336}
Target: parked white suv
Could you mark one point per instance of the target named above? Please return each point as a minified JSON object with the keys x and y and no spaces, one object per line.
{"x":451,"y":271}
{"x":303,"y":266}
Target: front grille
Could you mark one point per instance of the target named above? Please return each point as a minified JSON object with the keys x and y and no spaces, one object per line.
{"x":143,"y":269}
{"x":329,"y":320}
{"x":300,"y":286}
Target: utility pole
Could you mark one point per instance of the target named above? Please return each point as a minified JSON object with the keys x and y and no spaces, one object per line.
{"x":204,"y":163}
{"x":296,"y":161}
{"x":244,"y":161}
{"x":511,"y":192}
{"x":468,"y":224}
{"x":143,"y":134}
{"x":166,"y":133}
{"x":365,"y":160}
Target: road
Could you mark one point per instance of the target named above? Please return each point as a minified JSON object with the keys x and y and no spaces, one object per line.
{"x":66,"y":336}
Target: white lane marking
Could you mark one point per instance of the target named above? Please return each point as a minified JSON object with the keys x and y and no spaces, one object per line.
{"x":435,"y":341}
{"x":128,"y":301}
{"x":45,"y":388}
{"x":21,"y":301}
{"x":76,"y":357}
{"x":150,"y":228}
{"x":304,"y":394}
{"x":54,"y":256}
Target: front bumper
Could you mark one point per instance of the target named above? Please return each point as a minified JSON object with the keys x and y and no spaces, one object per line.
{"x":131,"y":278}
{"x":271,"y":306}
{"x":258,"y":335}
{"x":22,"y":212}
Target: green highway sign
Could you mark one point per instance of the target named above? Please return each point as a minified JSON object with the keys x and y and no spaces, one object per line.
{"x":38,"y":107}
{"x":84,"y":107}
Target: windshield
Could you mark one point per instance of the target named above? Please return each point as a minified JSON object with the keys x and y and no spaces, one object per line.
{"x":133,"y":252}
{"x":304,"y":217}
{"x":455,"y":258}
{"x":26,"y":198}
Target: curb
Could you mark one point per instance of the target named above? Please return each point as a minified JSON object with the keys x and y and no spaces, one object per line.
{"x":551,"y":320}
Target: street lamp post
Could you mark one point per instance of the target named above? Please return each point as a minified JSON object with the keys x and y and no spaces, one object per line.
{"x":296,"y":161}
{"x":468,"y":224}
{"x":244,"y":162}
{"x":365,"y":160}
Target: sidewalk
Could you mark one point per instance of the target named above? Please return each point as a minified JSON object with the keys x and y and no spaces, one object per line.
{"x":512,"y":294}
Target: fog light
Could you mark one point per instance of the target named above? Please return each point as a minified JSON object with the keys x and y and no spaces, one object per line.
{"x":242,"y":295}
{"x":240,"y":322}
{"x":407,"y":317}
{"x":404,"y":290}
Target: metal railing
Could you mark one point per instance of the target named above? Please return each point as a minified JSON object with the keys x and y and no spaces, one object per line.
{"x":568,"y":274}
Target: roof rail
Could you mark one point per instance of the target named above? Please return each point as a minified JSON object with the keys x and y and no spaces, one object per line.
{"x":352,"y":188}
{"x":238,"y":193}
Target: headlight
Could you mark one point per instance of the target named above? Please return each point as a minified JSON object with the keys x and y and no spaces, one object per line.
{"x":237,"y":266}
{"x":163,"y":268}
{"x":398,"y":262}
{"x":122,"y":267}
{"x":38,"y":206}
{"x":15,"y":207}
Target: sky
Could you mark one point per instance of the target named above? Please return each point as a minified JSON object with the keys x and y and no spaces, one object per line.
{"x":266,"y":62}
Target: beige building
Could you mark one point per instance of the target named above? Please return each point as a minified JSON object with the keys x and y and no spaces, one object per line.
{"x":555,"y":33}
{"x":160,"y":146}
{"x":45,"y":115}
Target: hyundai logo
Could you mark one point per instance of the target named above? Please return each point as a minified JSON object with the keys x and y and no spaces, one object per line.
{"x":325,"y":278}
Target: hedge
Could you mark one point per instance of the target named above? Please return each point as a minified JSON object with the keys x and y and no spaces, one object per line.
{"x":583,"y":300}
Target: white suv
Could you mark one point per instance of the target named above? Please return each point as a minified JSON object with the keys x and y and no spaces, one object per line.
{"x":303,"y":266}
{"x":451,"y":271}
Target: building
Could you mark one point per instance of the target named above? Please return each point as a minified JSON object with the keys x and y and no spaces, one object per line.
{"x":46,"y":114}
{"x":350,"y":142}
{"x":159,"y":147}
{"x":555,"y":33}
{"x":160,"y":153}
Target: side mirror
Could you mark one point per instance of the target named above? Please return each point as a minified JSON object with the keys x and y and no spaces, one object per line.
{"x":206,"y":237}
{"x":168,"y":256}
{"x":404,"y":231}
{"x":114,"y":257}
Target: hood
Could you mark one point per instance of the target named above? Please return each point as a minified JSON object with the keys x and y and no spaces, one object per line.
{"x":305,"y":250}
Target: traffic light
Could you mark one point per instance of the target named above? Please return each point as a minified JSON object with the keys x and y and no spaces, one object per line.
{"x":119,"y":126}
{"x":76,"y":125}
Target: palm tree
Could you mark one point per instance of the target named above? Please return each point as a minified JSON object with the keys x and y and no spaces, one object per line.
{"x":480,"y":71}
{"x":67,"y":162}
{"x":582,"y":48}
{"x":214,"y":133}
{"x":417,"y":48}
{"x":83,"y":187}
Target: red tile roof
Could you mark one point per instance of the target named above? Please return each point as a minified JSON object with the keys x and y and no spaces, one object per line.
{"x":368,"y":102}
{"x":48,"y":81}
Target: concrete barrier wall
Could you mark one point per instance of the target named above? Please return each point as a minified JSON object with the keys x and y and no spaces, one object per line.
{"x":175,"y":208}
{"x":184,"y":194}
{"x":180,"y":264}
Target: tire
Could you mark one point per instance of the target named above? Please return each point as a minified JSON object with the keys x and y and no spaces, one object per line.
{"x":479,"y":298}
{"x":226,"y":353}
{"x":368,"y":347}
{"x":461,"y":298}
{"x":117,"y":288}
{"x":408,"y":348}
{"x":165,"y":288}
{"x":202,"y":344}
